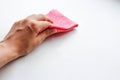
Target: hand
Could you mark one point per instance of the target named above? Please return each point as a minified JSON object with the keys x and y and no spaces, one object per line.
{"x":26,"y":34}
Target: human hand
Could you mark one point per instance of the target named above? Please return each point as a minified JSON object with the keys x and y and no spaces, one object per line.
{"x":26,"y":34}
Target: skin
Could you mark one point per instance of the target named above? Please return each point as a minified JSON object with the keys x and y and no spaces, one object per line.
{"x":24,"y":36}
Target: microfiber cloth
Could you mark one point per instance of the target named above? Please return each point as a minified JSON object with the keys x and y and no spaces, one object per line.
{"x":60,"y":22}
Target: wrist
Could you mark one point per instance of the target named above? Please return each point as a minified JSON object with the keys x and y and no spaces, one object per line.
{"x":7,"y":53}
{"x":5,"y":47}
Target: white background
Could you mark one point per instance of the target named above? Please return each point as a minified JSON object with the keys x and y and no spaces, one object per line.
{"x":90,"y":52}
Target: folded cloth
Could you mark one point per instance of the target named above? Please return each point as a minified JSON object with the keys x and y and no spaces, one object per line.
{"x":60,"y":22}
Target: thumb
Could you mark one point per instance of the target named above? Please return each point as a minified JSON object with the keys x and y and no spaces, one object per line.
{"x":42,"y":36}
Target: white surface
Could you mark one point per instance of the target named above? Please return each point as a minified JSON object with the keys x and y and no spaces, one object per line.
{"x":91,"y":52}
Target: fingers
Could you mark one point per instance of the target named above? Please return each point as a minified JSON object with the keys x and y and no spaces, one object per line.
{"x":39,"y":17}
{"x":41,"y":37}
{"x":39,"y":26}
{"x":37,"y":23}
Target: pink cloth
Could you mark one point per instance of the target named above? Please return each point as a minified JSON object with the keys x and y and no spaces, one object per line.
{"x":60,"y":22}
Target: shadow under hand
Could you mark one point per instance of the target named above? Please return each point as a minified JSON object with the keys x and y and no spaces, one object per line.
{"x":54,"y":41}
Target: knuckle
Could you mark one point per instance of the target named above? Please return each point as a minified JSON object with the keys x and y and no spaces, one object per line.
{"x":33,"y":26}
{"x":16,"y":23}
{"x":34,"y":15}
{"x":29,"y":22}
{"x":42,"y":15}
{"x":32,"y":23}
{"x":25,"y":21}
